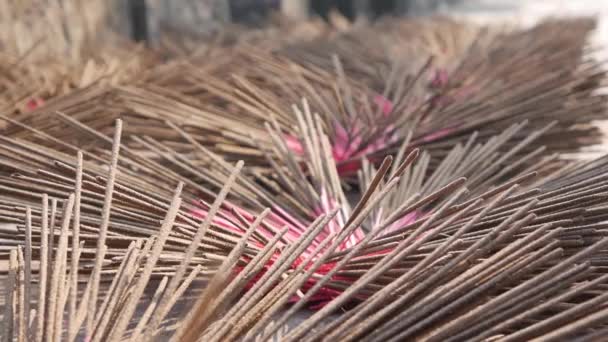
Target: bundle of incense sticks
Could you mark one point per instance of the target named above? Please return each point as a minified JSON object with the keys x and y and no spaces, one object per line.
{"x":226,"y":104}
{"x":409,"y":187}
{"x":465,"y":266}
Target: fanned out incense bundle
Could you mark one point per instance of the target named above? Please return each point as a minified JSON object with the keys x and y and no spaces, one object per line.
{"x":472,"y":269}
{"x":441,"y":106}
{"x":225,"y":107}
{"x":386,"y":194}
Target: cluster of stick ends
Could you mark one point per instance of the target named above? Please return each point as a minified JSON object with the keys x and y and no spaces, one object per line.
{"x":386,"y":194}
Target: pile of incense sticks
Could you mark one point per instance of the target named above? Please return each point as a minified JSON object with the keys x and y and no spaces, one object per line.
{"x":409,"y":179}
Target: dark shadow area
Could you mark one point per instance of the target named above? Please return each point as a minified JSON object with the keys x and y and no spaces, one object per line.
{"x":139,"y":22}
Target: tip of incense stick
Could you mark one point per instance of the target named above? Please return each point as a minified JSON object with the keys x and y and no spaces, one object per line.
{"x":460,"y":180}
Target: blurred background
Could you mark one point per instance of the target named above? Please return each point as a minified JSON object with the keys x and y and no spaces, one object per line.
{"x":147,"y":19}
{"x":151,"y":20}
